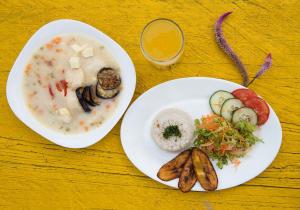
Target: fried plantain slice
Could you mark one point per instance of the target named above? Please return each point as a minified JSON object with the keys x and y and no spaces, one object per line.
{"x":204,"y":170}
{"x":188,"y":177}
{"x":173,"y":168}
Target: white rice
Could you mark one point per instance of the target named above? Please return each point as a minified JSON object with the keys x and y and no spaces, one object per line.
{"x":173,"y":116}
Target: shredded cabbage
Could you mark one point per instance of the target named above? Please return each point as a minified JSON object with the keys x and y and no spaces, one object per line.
{"x":223,"y":141}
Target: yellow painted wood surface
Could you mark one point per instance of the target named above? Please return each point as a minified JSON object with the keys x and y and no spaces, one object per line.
{"x":36,"y":174}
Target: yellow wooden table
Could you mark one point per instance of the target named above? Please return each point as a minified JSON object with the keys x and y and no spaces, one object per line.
{"x":36,"y":174}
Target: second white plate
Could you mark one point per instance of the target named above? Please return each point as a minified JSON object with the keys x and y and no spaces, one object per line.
{"x":191,"y":95}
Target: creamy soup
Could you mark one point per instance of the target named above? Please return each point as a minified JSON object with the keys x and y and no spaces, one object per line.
{"x":72,"y":83}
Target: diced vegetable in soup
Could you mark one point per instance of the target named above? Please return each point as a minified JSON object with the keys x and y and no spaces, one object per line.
{"x":72,"y":83}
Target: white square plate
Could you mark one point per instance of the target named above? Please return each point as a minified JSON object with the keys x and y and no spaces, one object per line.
{"x":14,"y":83}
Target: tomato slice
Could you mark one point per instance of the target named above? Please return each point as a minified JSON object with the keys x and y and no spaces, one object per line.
{"x":62,"y":85}
{"x":58,"y":86}
{"x":244,"y":94}
{"x":260,"y":107}
{"x":50,"y":91}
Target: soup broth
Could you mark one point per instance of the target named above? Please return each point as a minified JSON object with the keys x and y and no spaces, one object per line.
{"x":54,"y":73}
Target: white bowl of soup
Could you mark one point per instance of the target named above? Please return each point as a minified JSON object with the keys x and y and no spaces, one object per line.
{"x":71,"y":83}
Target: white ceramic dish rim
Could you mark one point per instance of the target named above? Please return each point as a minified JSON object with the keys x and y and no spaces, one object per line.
{"x":40,"y":37}
{"x":173,"y":183}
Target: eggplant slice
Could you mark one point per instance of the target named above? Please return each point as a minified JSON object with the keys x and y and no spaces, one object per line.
{"x":173,"y":168}
{"x":187,"y":178}
{"x":108,"y":78}
{"x":106,"y":94}
{"x":204,"y":170}
{"x":87,"y":96}
{"x":82,"y":102}
{"x":94,"y":98}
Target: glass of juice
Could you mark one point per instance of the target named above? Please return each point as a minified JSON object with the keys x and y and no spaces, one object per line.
{"x":162,"y":42}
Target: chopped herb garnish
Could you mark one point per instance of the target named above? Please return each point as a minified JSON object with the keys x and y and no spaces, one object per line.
{"x":171,"y":130}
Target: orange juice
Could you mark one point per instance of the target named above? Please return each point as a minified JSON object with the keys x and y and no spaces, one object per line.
{"x":162,"y":42}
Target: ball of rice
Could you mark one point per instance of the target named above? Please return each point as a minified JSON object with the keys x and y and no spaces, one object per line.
{"x":173,"y":117}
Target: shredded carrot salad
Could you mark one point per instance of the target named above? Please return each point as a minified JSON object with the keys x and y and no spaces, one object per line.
{"x":223,"y":141}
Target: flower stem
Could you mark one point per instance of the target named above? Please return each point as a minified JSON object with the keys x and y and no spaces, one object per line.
{"x":249,"y":83}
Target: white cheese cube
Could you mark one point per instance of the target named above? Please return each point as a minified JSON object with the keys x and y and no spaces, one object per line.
{"x":64,"y":115}
{"x":94,"y":65}
{"x":75,"y":78}
{"x":76,"y":48}
{"x":74,"y":62}
{"x":72,"y":102}
{"x":87,"y":52}
{"x":91,"y":68}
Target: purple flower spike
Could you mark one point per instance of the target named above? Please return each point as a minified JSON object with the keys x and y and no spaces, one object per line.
{"x":267,"y":64}
{"x":227,"y":49}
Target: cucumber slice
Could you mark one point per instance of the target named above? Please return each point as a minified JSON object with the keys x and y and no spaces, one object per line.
{"x":217,"y":99}
{"x":246,"y":114}
{"x":229,"y":106}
